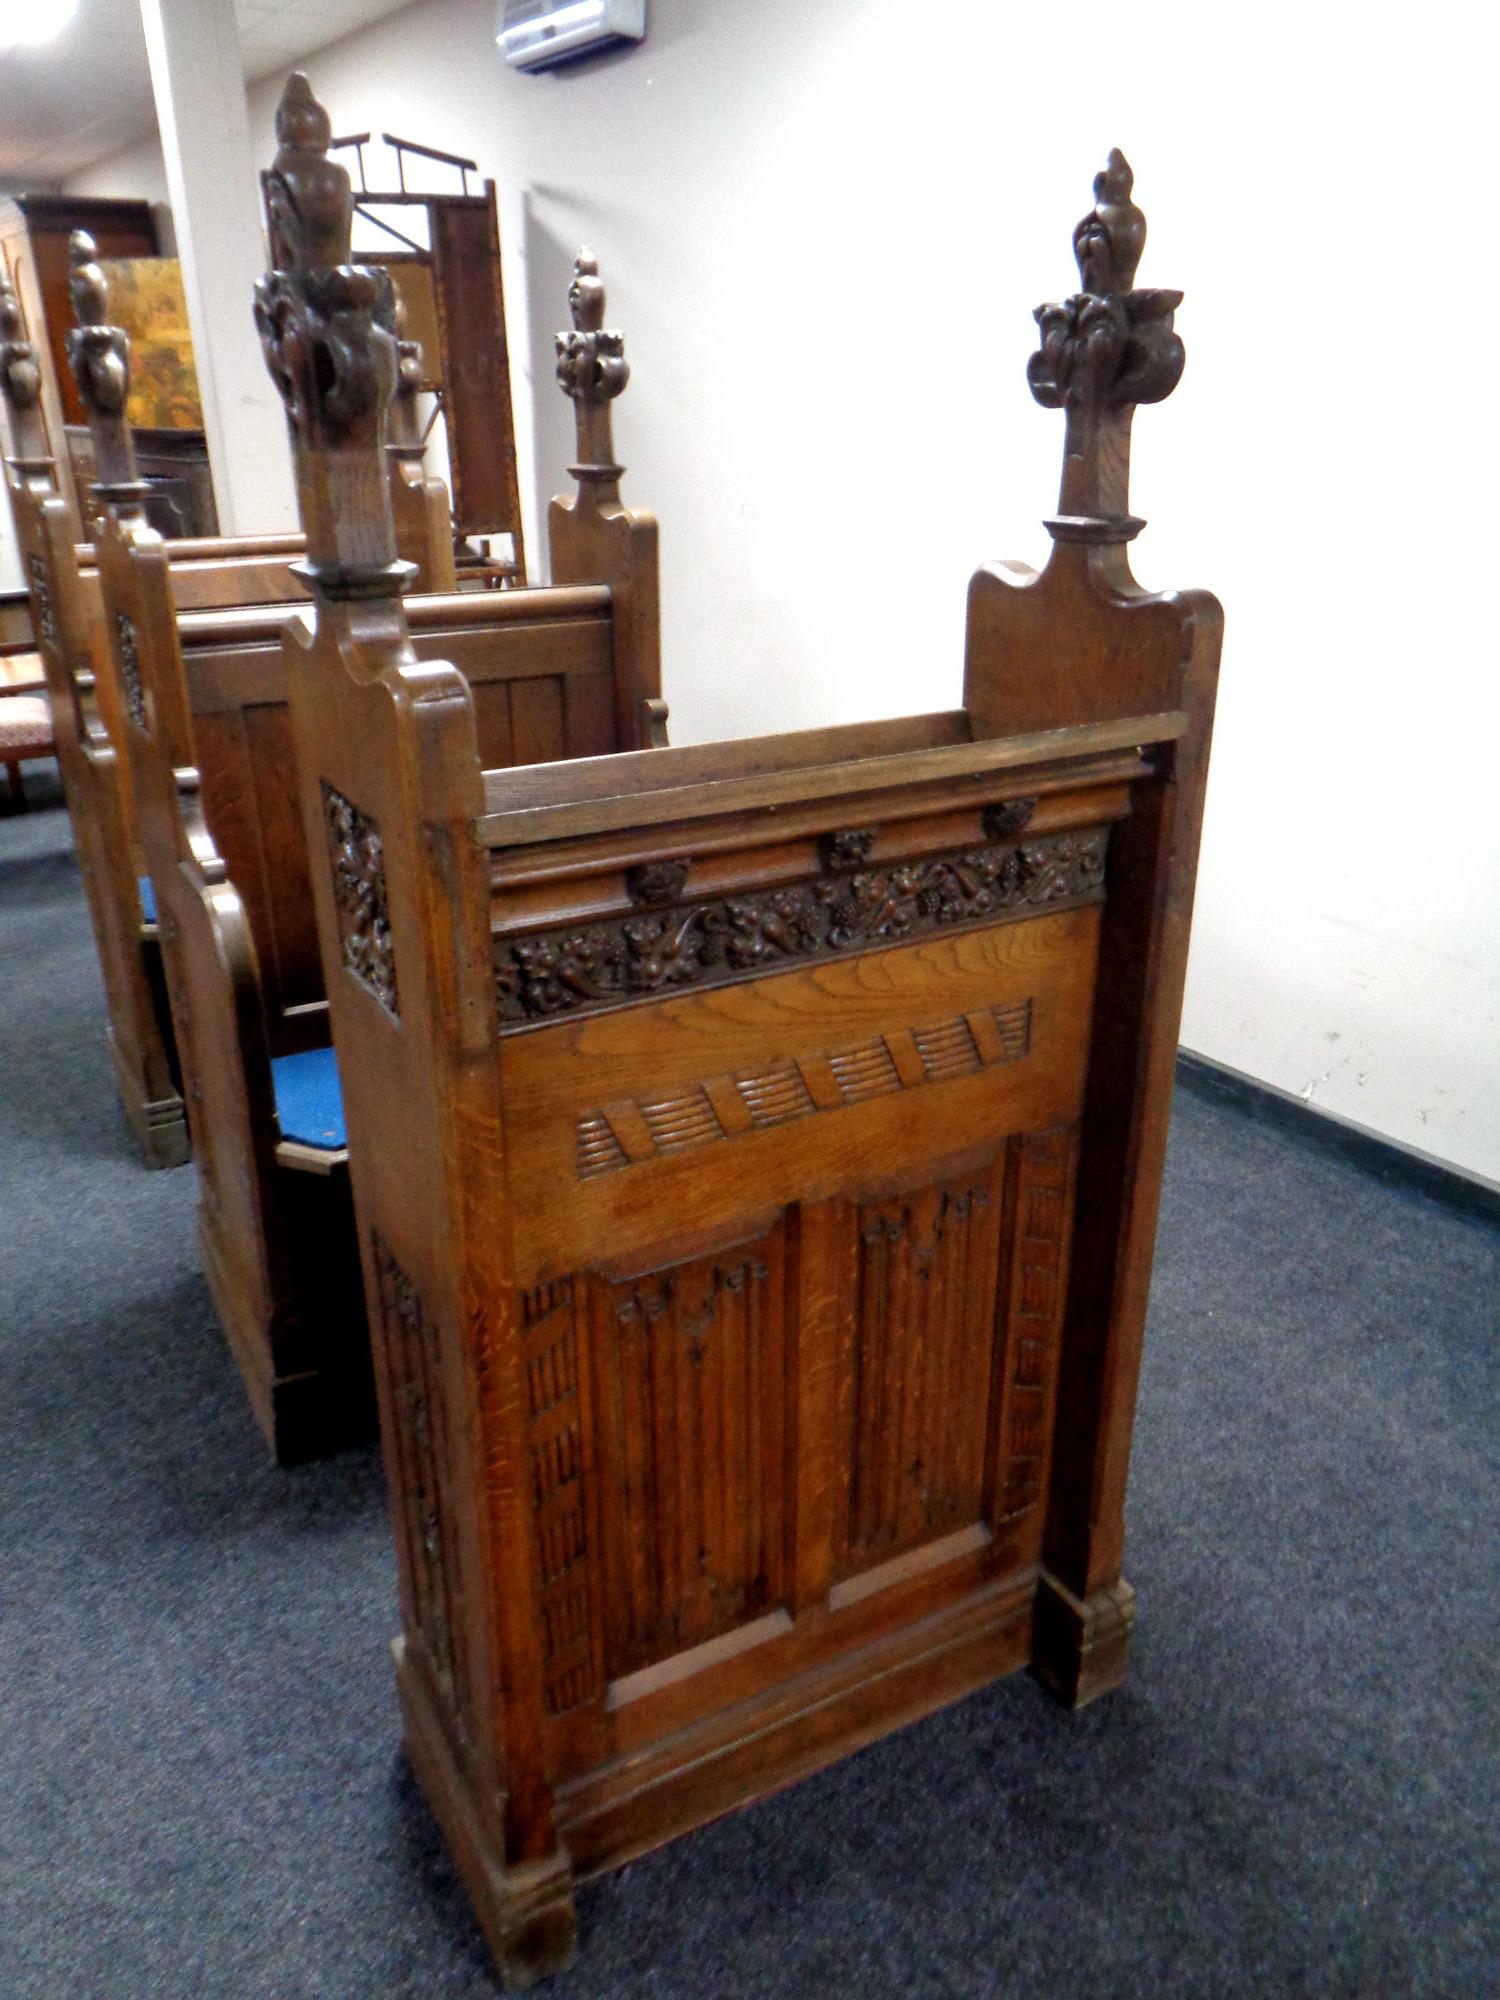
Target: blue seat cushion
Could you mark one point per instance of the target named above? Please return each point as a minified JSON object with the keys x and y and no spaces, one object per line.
{"x":309,"y":1103}
{"x":148,"y":898}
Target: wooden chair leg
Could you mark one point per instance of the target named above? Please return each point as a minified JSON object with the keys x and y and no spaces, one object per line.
{"x":17,"y":787}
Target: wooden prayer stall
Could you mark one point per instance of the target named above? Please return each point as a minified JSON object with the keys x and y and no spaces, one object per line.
{"x":756,"y":1148}
{"x":94,"y":780}
{"x":67,"y":618}
{"x":207,"y":735}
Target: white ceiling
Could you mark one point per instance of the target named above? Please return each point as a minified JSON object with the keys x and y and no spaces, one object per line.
{"x":88,"y":93}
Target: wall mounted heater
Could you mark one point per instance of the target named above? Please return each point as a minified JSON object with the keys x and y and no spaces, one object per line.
{"x":536,"y":34}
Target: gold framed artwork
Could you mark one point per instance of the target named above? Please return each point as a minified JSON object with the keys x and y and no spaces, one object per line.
{"x":147,"y":299}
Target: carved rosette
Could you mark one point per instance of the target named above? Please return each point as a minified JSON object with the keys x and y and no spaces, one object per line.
{"x":1109,"y":346}
{"x":714,"y":942}
{"x":359,"y":896}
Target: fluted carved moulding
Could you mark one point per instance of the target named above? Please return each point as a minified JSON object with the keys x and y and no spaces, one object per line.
{"x":1103,"y":351}
{"x":328,"y":332}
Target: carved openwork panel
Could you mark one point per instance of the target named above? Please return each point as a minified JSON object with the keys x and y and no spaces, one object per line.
{"x":714,"y":942}
{"x":130,"y":668}
{"x":550,"y":1344}
{"x":915,"y":1382}
{"x":1034,"y":1303}
{"x":427,"y":1545}
{"x":359,"y":897}
{"x":692,"y":1447}
{"x":41,"y":589}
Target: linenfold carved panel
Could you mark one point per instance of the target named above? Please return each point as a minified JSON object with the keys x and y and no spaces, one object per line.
{"x":727,"y":1107}
{"x":1037,"y":1281}
{"x":915,"y":1382}
{"x":413,"y":1369}
{"x":692,"y":1436}
{"x":359,"y":896}
{"x":600,"y":964}
{"x":550,"y":1348}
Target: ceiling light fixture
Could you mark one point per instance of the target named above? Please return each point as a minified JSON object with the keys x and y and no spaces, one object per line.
{"x":27,"y":24}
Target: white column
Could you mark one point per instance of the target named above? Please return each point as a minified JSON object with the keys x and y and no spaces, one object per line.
{"x":198,"y":77}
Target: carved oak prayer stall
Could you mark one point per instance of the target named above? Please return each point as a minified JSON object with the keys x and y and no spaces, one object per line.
{"x":94,"y":781}
{"x":756,"y":1152}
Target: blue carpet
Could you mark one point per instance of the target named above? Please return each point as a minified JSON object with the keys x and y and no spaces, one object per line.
{"x":200,"y":1791}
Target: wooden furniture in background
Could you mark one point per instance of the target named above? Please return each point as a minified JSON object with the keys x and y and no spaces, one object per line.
{"x":755,"y":1148}
{"x":453,"y":290}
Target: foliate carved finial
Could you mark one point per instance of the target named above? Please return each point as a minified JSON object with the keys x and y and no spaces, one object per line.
{"x":326,"y":325}
{"x":1103,"y":351}
{"x":327,"y":330}
{"x":404,"y":431}
{"x":98,"y":352}
{"x":1109,"y":344}
{"x":592,"y":369}
{"x":99,"y":356}
{"x":20,"y":375}
{"x":591,"y":364}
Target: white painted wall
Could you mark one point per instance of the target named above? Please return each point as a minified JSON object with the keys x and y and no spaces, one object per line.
{"x":823,"y":236}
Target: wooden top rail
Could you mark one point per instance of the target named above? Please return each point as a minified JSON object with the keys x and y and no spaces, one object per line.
{"x":479,"y":608}
{"x":651,"y":788}
{"x":210,"y":548}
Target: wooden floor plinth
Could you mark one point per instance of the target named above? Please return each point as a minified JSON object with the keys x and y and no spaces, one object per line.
{"x":1082,"y":1646}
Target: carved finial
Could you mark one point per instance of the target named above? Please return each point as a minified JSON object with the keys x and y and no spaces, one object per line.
{"x":1103,"y":351}
{"x":403,"y":427}
{"x":327,"y":332}
{"x":592,"y":369}
{"x":99,"y":355}
{"x":20,"y":378}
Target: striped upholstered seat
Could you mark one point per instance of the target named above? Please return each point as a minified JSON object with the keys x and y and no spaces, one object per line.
{"x":25,"y":732}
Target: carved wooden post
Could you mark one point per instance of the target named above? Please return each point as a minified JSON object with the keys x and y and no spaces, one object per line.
{"x":419,"y":500}
{"x":391,"y":788}
{"x":594,"y":537}
{"x":1082,"y":642}
{"x":99,"y":355}
{"x":1103,"y":351}
{"x":21,"y":381}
